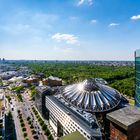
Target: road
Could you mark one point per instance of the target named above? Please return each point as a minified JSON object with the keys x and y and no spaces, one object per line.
{"x":8,"y":107}
{"x":28,"y":112}
{"x":26,"y":109}
{"x":15,"y":105}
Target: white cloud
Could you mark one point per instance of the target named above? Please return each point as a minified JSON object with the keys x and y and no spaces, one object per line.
{"x":28,"y":26}
{"x":68,"y":38}
{"x":35,"y":19}
{"x":113,"y":24}
{"x":16,"y":29}
{"x":93,"y":21}
{"x":90,"y":2}
{"x":135,"y":17}
{"x":44,"y":18}
{"x":81,"y":2}
{"x":73,"y":18}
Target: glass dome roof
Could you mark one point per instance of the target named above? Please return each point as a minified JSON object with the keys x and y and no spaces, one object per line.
{"x":90,"y":95}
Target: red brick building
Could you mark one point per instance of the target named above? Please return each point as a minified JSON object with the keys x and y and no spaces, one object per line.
{"x":52,"y":81}
{"x":125,"y":124}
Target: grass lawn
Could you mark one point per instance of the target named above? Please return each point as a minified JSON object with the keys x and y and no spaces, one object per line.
{"x":73,"y":136}
{"x":132,"y":102}
{"x":1,"y":104}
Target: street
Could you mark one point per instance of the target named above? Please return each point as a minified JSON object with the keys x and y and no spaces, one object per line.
{"x":15,"y":105}
{"x":27,"y":110}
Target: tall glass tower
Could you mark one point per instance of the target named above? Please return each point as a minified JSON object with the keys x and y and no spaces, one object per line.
{"x":137,"y":78}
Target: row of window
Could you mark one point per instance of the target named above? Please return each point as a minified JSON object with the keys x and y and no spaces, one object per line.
{"x":53,"y":119}
{"x":68,"y":123}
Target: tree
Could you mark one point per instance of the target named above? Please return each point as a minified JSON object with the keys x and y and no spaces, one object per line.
{"x":31,"y":126}
{"x":50,"y":137}
{"x":47,"y":132}
{"x":22,"y":124}
{"x":21,"y":120}
{"x":41,"y":122}
{"x":28,"y":118}
{"x":73,"y":72}
{"x":44,"y":127}
{"x":25,"y":134}
{"x":33,"y":132}
{"x":35,"y":137}
{"x":29,"y":122}
{"x":19,"y":111}
{"x":23,"y":129}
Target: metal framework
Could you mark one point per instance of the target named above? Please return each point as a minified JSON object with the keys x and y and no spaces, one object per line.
{"x":90,"y":95}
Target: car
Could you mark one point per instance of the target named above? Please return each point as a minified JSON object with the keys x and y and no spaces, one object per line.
{"x":40,"y":132}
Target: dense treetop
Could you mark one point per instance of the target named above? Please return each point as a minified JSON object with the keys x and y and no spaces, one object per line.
{"x":119,"y":77}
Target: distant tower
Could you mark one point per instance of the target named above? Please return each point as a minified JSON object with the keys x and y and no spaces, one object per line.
{"x":137,"y":78}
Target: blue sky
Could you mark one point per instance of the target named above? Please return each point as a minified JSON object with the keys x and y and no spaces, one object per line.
{"x":69,"y":29}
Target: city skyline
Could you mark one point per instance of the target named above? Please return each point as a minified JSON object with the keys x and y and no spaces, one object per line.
{"x":69,"y":30}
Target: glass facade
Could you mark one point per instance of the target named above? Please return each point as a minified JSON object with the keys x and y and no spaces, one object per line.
{"x":137,"y":78}
{"x":40,"y":102}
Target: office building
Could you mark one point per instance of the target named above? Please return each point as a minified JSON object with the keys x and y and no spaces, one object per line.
{"x":65,"y":120}
{"x":77,"y":107}
{"x":137,"y":78}
{"x":41,"y":93}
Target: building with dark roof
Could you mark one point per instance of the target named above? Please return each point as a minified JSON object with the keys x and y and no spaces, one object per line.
{"x":125,"y":123}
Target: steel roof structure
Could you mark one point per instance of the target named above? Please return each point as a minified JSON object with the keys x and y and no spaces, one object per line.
{"x":92,"y":96}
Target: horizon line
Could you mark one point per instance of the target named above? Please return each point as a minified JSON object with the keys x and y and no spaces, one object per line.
{"x":59,"y":60}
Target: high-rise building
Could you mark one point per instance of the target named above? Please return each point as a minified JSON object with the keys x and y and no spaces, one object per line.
{"x":137,"y":78}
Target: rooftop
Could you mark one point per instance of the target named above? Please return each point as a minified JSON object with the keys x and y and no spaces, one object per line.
{"x":54,"y":78}
{"x":86,"y":120}
{"x":92,"y":95}
{"x":73,"y":136}
{"x":125,"y":117}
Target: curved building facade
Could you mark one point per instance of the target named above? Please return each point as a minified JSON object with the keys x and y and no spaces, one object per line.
{"x":137,"y":78}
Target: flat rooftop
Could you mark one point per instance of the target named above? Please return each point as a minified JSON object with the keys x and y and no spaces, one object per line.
{"x":73,"y":136}
{"x":126,"y":117}
{"x":76,"y":117}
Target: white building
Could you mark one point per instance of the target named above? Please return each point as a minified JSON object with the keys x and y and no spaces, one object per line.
{"x":65,"y":120}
